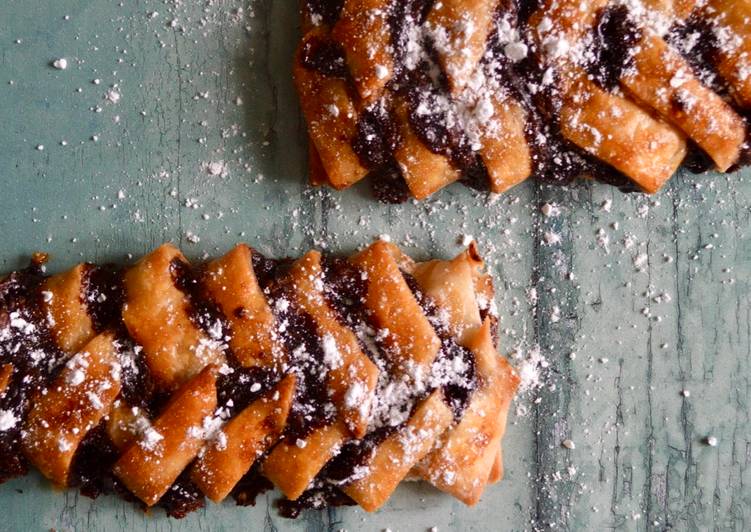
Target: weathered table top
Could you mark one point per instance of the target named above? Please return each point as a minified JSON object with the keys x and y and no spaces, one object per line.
{"x":640,"y":312}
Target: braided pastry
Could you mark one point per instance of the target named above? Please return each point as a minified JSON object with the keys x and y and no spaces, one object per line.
{"x":332,"y":379}
{"x":419,"y":93}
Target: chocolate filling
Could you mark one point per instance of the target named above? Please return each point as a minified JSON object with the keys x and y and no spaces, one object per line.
{"x":203,"y":312}
{"x":328,"y":10}
{"x":614,"y":38}
{"x":28,"y":346}
{"x":104,"y":294}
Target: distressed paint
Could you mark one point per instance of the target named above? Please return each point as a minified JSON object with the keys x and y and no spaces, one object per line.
{"x":640,"y":461}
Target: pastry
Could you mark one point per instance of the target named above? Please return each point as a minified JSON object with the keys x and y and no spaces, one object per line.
{"x":418,"y":94}
{"x":333,"y":379}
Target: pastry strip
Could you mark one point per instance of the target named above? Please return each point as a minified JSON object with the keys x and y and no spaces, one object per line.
{"x":331,"y":117}
{"x":364,"y":34}
{"x":67,"y":312}
{"x":75,"y":402}
{"x":6,"y":372}
{"x":409,"y":337}
{"x":620,"y":133}
{"x":467,"y":452}
{"x":460,"y":30}
{"x":733,"y":20}
{"x":292,"y":465}
{"x":399,"y":452}
{"x":673,"y":9}
{"x":156,"y":315}
{"x":242,"y":440}
{"x":152,"y":464}
{"x":663,"y":80}
{"x":348,"y":367}
{"x":505,"y":150}
{"x":424,"y":171}
{"x":231,"y":283}
{"x":451,"y":285}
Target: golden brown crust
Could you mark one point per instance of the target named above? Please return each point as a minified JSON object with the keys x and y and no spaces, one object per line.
{"x":364,"y":34}
{"x":231,"y":283}
{"x":494,"y":99}
{"x":460,"y":30}
{"x":496,"y":472}
{"x":244,"y":438}
{"x":379,"y":320}
{"x":734,"y":65}
{"x":622,"y":134}
{"x":156,"y":315}
{"x":332,"y":118}
{"x":124,"y":423}
{"x":564,"y":21}
{"x":505,"y":150}
{"x":468,"y":451}
{"x":292,"y":465}
{"x":399,"y":452}
{"x":424,"y":171}
{"x":67,"y":312}
{"x":6,"y":372}
{"x":673,"y":9}
{"x":74,"y":403}
{"x":451,"y":285}
{"x":151,"y":465}
{"x":663,"y":80}
{"x":409,"y":336}
{"x":467,"y":456}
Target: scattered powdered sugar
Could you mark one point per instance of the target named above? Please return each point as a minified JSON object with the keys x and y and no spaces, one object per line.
{"x":8,"y":420}
{"x":77,"y":367}
{"x":531,"y":368}
{"x":151,"y":438}
{"x":112,"y":95}
{"x":216,"y":168}
{"x":331,"y":355}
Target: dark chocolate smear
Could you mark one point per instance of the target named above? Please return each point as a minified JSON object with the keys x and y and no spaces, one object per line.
{"x":92,"y":464}
{"x":328,"y":10}
{"x":322,"y":496}
{"x":388,"y":184}
{"x":376,"y":137}
{"x":325,"y":57}
{"x":311,"y":407}
{"x":251,"y":485}
{"x":204,"y":313}
{"x":26,"y":344}
{"x":614,"y":38}
{"x":104,"y":295}
{"x":183,"y":497}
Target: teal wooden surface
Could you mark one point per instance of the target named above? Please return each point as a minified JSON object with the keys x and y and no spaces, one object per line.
{"x":650,"y":294}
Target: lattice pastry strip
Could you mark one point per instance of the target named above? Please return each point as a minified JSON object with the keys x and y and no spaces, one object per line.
{"x":460,"y":30}
{"x":419,"y":95}
{"x":331,"y":378}
{"x":732,"y":20}
{"x":364,"y":32}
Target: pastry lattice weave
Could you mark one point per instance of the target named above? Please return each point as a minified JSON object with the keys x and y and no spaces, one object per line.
{"x":333,"y":379}
{"x":421,"y":93}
